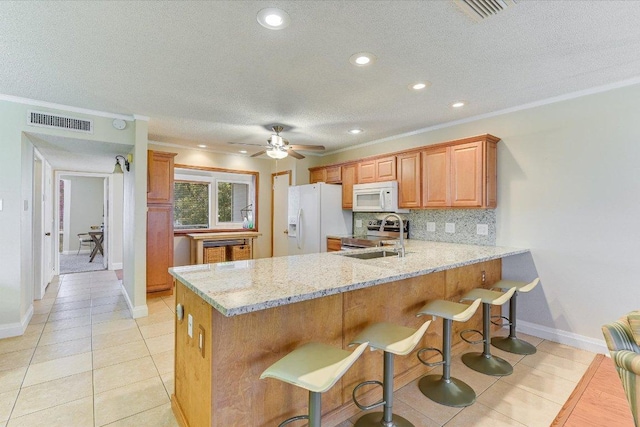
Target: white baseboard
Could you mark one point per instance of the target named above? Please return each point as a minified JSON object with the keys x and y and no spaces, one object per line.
{"x":16,"y":329}
{"x":563,"y":337}
{"x":82,"y":251}
{"x":137,"y":311}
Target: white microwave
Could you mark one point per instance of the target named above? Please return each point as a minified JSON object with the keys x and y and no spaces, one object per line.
{"x":376,"y":197}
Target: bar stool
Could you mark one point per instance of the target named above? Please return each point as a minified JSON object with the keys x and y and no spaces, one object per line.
{"x":512,"y":343}
{"x":315,"y":367}
{"x":391,"y":339}
{"x":485,"y":362}
{"x":445,"y":389}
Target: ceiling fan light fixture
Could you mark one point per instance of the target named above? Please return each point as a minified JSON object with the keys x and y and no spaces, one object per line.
{"x":276,"y":140}
{"x":273,"y":18}
{"x":277,"y":153}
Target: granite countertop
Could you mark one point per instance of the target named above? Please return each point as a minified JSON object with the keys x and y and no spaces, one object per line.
{"x":239,"y":287}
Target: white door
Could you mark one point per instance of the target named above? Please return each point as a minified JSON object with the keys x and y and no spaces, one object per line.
{"x":49,"y":226}
{"x":279,"y":200}
{"x":38,"y":229}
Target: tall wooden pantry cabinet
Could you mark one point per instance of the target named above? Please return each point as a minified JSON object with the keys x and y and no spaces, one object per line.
{"x":159,"y":221}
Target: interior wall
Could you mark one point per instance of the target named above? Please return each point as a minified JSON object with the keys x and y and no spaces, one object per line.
{"x":116,"y":221}
{"x":16,"y":184}
{"x":567,"y":185}
{"x":86,"y":208}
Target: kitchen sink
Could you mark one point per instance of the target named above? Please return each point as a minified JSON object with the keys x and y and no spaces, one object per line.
{"x":371,"y":255}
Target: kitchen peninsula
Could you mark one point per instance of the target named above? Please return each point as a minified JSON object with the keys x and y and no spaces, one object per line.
{"x":245,"y":315}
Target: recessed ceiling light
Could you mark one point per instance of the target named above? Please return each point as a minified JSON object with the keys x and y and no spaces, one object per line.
{"x":458,"y":104}
{"x":202,"y":146}
{"x":355,"y":131}
{"x":419,"y":85}
{"x":363,"y":58}
{"x":273,"y":18}
{"x":243,"y":151}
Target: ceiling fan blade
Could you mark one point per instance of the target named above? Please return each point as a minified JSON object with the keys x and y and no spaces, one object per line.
{"x":308,"y":147}
{"x":259,"y":153}
{"x":295,"y":154}
{"x":245,"y":143}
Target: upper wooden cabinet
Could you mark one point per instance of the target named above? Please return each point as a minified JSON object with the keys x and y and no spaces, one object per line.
{"x":329,"y":174}
{"x":349,"y":177}
{"x":160,"y":177}
{"x":462,"y":174}
{"x":377,"y":170}
{"x":436,"y":166}
{"x":317,"y":175}
{"x":408,"y":180}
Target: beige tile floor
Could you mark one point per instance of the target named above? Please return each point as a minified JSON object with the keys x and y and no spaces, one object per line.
{"x":84,"y":361}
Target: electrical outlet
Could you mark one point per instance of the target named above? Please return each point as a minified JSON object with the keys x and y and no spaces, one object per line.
{"x":190,"y":326}
{"x":0,"y":204}
{"x":482,"y":229}
{"x":450,"y":227}
{"x":431,"y":227}
{"x":358,"y":223}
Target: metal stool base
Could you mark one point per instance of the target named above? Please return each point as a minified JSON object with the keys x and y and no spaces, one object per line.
{"x":513,"y":345}
{"x":375,"y":419}
{"x":452,"y":393}
{"x":491,"y":365}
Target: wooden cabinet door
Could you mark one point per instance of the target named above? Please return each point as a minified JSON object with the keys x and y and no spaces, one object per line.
{"x":317,"y":175}
{"x":333,"y":244}
{"x":436,"y":178}
{"x":349,"y":177}
{"x":408,"y":180}
{"x":334,"y":174}
{"x":159,"y":247}
{"x":491,"y":179}
{"x":160,"y":177}
{"x":386,"y":169}
{"x":467,"y":174}
{"x":367,"y":171}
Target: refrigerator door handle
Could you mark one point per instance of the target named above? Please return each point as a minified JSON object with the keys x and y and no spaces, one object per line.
{"x":299,"y":226}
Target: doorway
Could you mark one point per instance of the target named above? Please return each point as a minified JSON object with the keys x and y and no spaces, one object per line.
{"x":280,"y":183}
{"x":82,"y":213}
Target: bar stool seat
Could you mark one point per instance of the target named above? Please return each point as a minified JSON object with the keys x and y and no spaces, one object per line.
{"x":445,"y":389}
{"x":485,"y":362}
{"x":315,"y":367}
{"x":512,"y":343}
{"x":391,"y":339}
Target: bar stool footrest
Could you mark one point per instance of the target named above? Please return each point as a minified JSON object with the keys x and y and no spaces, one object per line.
{"x":430,"y":364}
{"x":501,"y":324}
{"x":467,"y":331}
{"x":373,"y":405}
{"x":292,"y":419}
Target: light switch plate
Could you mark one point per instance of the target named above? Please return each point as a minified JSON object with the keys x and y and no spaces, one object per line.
{"x":482,"y":229}
{"x":431,"y":227}
{"x":358,"y":223}
{"x":0,"y":204}
{"x":450,"y":227}
{"x":190,"y":326}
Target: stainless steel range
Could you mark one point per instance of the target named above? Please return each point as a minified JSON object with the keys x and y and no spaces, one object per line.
{"x":375,"y":236}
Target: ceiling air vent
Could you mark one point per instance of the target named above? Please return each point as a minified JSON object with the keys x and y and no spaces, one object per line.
{"x":481,"y":9}
{"x":47,"y":120}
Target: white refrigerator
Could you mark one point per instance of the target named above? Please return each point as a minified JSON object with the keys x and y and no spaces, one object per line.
{"x":315,"y":211}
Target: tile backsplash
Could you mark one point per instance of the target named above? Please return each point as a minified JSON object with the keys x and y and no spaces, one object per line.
{"x":465,"y":220}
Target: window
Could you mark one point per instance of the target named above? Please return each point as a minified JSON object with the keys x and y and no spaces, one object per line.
{"x":213,"y":199}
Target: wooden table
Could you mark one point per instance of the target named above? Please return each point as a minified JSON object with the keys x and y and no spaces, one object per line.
{"x":198,"y":240}
{"x":98,"y":238}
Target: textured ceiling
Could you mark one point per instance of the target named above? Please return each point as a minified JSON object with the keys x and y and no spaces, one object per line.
{"x":208,"y":73}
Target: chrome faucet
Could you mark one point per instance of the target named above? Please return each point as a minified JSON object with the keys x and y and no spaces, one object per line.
{"x":401,"y":249}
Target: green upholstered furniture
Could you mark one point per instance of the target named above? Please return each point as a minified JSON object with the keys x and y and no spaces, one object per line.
{"x":623,"y":340}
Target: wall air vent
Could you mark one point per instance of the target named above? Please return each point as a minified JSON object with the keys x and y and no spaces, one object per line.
{"x":481,"y":9}
{"x":47,"y":120}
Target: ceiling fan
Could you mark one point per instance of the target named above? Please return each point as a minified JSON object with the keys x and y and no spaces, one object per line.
{"x":279,"y":148}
